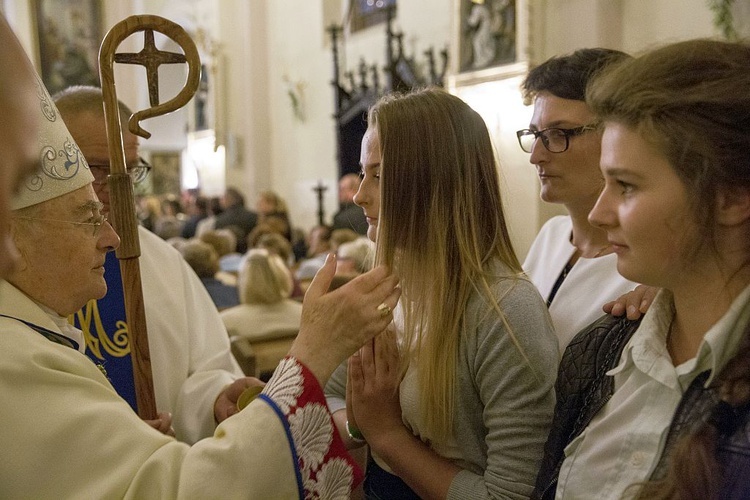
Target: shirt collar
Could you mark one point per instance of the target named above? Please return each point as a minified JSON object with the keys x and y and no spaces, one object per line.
{"x":66,"y":329}
{"x":647,"y":349}
{"x":723,"y":339}
{"x":16,"y":304}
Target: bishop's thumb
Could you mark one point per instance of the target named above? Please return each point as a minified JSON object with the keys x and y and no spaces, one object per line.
{"x":322,"y":280}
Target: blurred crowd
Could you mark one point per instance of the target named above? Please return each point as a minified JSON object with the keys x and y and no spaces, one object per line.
{"x":254,"y":263}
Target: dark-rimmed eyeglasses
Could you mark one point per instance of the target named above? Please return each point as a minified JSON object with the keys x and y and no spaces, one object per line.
{"x":97,"y":221}
{"x":137,"y":171}
{"x":555,"y":139}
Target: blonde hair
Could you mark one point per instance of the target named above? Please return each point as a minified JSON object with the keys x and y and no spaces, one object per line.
{"x":341,"y":236}
{"x":441,"y":225}
{"x":359,"y":251}
{"x":201,"y":257}
{"x":263,"y":278}
{"x":275,"y":200}
{"x":276,"y":244}
{"x":223,"y":241}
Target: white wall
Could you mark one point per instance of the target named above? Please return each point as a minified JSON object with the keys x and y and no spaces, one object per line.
{"x":649,"y":23}
{"x":629,"y":25}
{"x":304,"y":152}
{"x":265,"y":41}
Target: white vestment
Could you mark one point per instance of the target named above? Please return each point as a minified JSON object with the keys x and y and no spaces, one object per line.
{"x":66,"y":433}
{"x":190,"y":356}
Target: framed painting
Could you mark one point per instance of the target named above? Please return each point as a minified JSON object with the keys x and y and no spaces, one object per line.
{"x":165,"y":175}
{"x":366,"y":13}
{"x":68,"y":34}
{"x":200,"y":115}
{"x":492,"y":39}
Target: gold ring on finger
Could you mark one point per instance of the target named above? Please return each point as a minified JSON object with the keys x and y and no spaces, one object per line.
{"x":384,"y":309}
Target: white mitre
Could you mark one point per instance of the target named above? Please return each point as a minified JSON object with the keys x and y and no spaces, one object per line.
{"x":62,"y":167}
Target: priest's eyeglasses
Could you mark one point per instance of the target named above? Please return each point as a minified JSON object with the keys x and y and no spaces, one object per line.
{"x":137,"y":172}
{"x":97,"y":221}
{"x":555,"y":139}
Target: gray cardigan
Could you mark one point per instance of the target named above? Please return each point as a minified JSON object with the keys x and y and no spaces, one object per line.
{"x":505,"y":405}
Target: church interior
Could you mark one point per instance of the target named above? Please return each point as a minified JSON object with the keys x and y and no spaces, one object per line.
{"x":280,"y":105}
{"x":527,"y":278}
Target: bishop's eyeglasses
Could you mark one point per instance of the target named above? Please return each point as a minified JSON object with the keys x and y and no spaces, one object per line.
{"x":96,"y":221}
{"x":137,"y":171}
{"x":555,"y":139}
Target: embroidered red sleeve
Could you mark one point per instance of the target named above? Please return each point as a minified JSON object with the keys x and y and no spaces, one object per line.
{"x":325,"y":468}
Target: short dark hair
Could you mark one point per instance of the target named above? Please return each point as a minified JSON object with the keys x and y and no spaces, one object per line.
{"x":237,"y":197}
{"x":568,"y":76}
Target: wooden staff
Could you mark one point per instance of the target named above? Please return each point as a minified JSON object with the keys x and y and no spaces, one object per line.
{"x":122,"y":200}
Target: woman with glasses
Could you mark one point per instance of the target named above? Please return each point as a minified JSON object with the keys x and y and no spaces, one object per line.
{"x":570,"y":262}
{"x":465,"y":408}
{"x":670,"y":416}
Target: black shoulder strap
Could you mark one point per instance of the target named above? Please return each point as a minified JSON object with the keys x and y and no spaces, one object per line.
{"x":48,"y":334}
{"x":583,"y":388}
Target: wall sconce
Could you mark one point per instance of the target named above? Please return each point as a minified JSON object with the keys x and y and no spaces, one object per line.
{"x":296,"y":93}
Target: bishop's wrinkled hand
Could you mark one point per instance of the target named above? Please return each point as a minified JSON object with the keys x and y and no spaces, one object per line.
{"x":335,"y":324}
{"x":226,"y":404}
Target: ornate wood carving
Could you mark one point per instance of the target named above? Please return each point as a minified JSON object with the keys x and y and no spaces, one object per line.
{"x":356,"y":91}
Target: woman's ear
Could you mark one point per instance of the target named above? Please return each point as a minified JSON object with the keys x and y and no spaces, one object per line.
{"x":733,"y":205}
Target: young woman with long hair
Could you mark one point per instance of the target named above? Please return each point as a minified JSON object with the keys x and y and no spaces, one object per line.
{"x":459,"y":401}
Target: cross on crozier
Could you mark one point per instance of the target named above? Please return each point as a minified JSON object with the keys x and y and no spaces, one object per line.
{"x":151,"y":58}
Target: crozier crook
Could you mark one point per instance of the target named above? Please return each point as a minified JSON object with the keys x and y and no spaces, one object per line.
{"x":122,"y":200}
